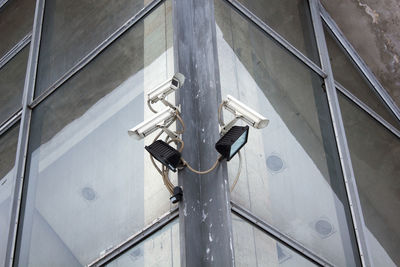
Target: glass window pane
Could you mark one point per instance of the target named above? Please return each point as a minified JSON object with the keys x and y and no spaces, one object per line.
{"x":348,"y":75}
{"x":12,"y":78}
{"x":291,"y":19}
{"x":71,"y":29}
{"x":375,"y":154}
{"x":291,"y":175}
{"x":160,"y":249}
{"x":16,"y":20}
{"x":8,"y":148}
{"x":90,"y":186}
{"x":255,"y":248}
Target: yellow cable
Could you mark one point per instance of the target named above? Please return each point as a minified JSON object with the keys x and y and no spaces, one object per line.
{"x":202,"y":172}
{"x":238,"y":173}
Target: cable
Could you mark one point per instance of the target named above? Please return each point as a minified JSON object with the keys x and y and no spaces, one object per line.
{"x":238,"y":173}
{"x":167,"y":182}
{"x":202,"y":172}
{"x":181,"y":122}
{"x":220,"y":121}
{"x":150,"y":107}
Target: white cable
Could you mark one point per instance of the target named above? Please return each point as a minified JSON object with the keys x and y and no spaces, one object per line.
{"x":238,"y":173}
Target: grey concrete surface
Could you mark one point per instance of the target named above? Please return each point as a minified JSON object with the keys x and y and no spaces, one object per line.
{"x":372,"y":27}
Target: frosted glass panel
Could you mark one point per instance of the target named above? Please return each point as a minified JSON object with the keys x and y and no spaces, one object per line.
{"x":90,"y":185}
{"x":291,"y":175}
{"x":160,"y":249}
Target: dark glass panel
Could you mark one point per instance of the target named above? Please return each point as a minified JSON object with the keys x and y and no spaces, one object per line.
{"x":375,"y":155}
{"x":16,"y":20}
{"x":12,"y":78}
{"x":348,"y":75}
{"x":71,"y":29}
{"x":291,"y":19}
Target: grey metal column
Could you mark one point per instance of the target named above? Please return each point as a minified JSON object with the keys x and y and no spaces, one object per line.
{"x":22,"y":146}
{"x":345,"y":160}
{"x":205,"y":216}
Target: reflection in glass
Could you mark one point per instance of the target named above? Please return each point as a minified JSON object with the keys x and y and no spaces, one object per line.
{"x":291,"y":19}
{"x":89,"y":185}
{"x":348,"y":75}
{"x":8,"y":148}
{"x":160,"y":249}
{"x":16,"y":20}
{"x":291,"y":175}
{"x":12,"y":77}
{"x":71,"y":29}
{"x":255,"y":248}
{"x":375,"y":155}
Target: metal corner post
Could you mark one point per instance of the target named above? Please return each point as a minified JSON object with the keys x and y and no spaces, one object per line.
{"x":204,"y":212}
{"x":344,"y":153}
{"x":22,"y":146}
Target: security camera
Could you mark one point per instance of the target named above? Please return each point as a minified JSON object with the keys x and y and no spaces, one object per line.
{"x":241,"y":111}
{"x":160,"y":120}
{"x":167,"y":87}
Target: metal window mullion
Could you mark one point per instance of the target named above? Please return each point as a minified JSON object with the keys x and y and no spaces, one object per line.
{"x":359,"y":62}
{"x":136,"y":238}
{"x":367,"y":109}
{"x":277,"y":37}
{"x":13,"y":119}
{"x":22,"y":147}
{"x":3,"y":2}
{"x":93,"y":53}
{"x":341,"y":141}
{"x":278,"y":235}
{"x":15,"y":50}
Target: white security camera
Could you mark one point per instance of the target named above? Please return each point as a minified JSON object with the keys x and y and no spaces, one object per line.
{"x":242,"y":111}
{"x":167,"y":87}
{"x":161,"y":120}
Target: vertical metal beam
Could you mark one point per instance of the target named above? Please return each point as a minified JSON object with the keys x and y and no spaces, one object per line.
{"x":359,"y":62}
{"x":344,"y":154}
{"x":22,"y":146}
{"x":204,"y":213}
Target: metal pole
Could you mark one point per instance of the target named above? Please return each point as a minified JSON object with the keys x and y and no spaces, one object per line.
{"x":204,"y":212}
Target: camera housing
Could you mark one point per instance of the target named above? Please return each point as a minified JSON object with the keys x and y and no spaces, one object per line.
{"x":162,"y":90}
{"x":160,"y":120}
{"x":242,"y":111}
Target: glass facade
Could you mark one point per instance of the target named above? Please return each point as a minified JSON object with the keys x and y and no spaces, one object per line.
{"x":12,"y":77}
{"x":347,"y":74}
{"x":82,"y":192}
{"x":8,"y":148}
{"x":164,"y":244}
{"x":291,"y":174}
{"x":375,"y":154}
{"x":255,"y":248}
{"x":289,"y":18}
{"x":71,"y":29}
{"x":16,"y":19}
{"x":83,"y":168}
